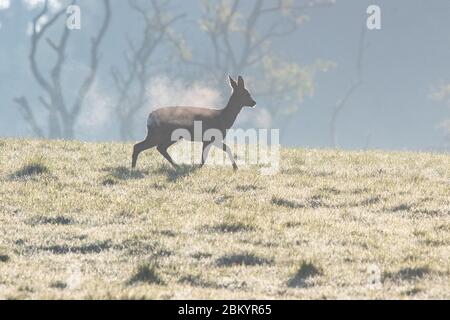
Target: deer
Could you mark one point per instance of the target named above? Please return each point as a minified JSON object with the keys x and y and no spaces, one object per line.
{"x":162,"y":122}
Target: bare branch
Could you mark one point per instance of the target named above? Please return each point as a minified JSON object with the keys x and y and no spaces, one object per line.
{"x":340,"y":106}
{"x":308,"y":5}
{"x":35,"y":37}
{"x":45,"y":103}
{"x":57,"y":96}
{"x":95,"y":44}
{"x":60,"y":117}
{"x":28,"y":116}
{"x":132,"y":83}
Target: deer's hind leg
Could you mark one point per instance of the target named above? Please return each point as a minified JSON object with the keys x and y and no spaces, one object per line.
{"x":148,"y":143}
{"x":227,"y":150}
{"x":162,"y":148}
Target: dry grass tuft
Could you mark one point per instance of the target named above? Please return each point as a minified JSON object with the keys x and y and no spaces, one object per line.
{"x":242,"y":259}
{"x":56,"y":220}
{"x":230,"y":227}
{"x":146,"y":273}
{"x":58,"y":285}
{"x":286,"y":203}
{"x":4,"y":257}
{"x":306,"y":271}
{"x":35,"y":167}
{"x":408,"y":274}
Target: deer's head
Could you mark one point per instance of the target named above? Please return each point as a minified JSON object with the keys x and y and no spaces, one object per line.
{"x":240,"y":95}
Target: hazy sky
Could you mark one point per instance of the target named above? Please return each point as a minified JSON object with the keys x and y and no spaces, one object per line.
{"x":392,"y":110}
{"x":409,"y":55}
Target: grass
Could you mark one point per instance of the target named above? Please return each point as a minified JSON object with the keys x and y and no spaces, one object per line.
{"x":33,"y":167}
{"x":316,"y":230}
{"x":247,"y":259}
{"x":230,"y":227}
{"x":306,"y":271}
{"x":146,"y":273}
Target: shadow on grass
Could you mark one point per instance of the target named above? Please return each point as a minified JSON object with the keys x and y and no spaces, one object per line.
{"x":31,"y":169}
{"x":137,"y":247}
{"x":369,"y":201}
{"x":201,"y":255}
{"x":313,"y":202}
{"x":407,"y":274}
{"x":245,"y":259}
{"x":306,"y":271}
{"x":109,"y":181}
{"x":229,"y":227}
{"x":174,"y":174}
{"x":56,"y":220}
{"x":247,"y":188}
{"x":197,"y":281}
{"x":4,"y":257}
{"x":330,"y":190}
{"x":287,"y":203}
{"x":123,"y":173}
{"x":95,"y":247}
{"x":401,"y":207}
{"x":58,"y":285}
{"x":146,"y":273}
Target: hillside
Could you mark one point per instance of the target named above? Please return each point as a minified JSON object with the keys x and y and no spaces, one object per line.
{"x":76,"y":222}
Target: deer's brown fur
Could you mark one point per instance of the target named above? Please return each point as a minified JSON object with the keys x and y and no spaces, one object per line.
{"x":163,"y":122}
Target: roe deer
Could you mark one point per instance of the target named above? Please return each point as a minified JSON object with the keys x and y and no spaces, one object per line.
{"x":163,"y":122}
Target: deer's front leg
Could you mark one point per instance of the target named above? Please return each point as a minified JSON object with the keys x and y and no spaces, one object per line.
{"x":163,"y":150}
{"x":206,"y":147}
{"x":227,"y":149}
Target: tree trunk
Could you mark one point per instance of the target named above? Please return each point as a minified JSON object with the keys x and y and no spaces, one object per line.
{"x":54,"y":128}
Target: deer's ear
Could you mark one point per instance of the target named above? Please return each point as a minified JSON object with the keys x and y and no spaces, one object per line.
{"x":233,"y":83}
{"x":241,"y":82}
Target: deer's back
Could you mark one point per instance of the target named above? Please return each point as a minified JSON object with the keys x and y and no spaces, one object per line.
{"x":164,"y":121}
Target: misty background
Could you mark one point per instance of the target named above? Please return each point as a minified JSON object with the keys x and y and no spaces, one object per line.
{"x":317,"y":74}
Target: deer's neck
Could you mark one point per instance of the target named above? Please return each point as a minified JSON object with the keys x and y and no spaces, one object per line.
{"x":230,"y":113}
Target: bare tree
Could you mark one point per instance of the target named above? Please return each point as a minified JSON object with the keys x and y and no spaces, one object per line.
{"x":342,"y":103}
{"x":243,"y":35}
{"x":132,"y":83}
{"x":62,"y":116}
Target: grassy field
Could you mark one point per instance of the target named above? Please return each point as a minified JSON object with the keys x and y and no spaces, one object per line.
{"x":76,"y":222}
